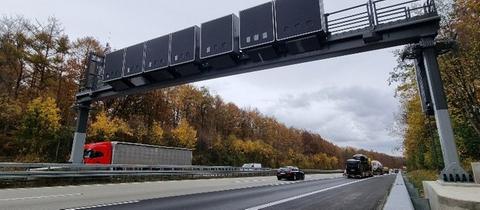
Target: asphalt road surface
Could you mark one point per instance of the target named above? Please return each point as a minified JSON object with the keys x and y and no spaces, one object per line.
{"x":111,"y":194}
{"x":333,"y":193}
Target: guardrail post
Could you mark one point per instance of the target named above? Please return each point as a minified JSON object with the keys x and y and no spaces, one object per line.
{"x":76,"y":155}
{"x":452,"y":171}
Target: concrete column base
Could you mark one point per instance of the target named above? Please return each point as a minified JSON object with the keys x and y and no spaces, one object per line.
{"x":476,"y":172}
{"x":459,"y":196}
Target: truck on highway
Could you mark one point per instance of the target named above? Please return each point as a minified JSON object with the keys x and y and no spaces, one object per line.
{"x":377,"y":167}
{"x":359,"y":166}
{"x":138,"y":154}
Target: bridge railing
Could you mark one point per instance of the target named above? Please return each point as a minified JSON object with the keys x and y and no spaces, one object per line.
{"x":375,"y":13}
{"x":349,"y":19}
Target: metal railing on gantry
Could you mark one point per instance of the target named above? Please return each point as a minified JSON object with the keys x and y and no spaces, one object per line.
{"x":375,"y":13}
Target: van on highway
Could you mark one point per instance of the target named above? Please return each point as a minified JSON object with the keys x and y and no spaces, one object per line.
{"x":251,"y":166}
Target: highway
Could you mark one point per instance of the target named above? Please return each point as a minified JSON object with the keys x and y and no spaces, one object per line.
{"x":323,"y":191}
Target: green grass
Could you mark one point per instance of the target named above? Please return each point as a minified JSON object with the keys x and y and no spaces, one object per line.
{"x":416,"y":178}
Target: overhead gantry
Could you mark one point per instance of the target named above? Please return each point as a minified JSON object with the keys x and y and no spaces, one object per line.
{"x":274,"y":34}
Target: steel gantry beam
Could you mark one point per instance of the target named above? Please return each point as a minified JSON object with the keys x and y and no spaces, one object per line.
{"x":452,"y":171}
{"x":388,"y":35}
{"x":371,"y":26}
{"x":365,"y":27}
{"x":80,"y":133}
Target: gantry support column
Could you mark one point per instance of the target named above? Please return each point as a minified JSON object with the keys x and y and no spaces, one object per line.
{"x":422,"y":83}
{"x":452,"y":171}
{"x":76,"y":156}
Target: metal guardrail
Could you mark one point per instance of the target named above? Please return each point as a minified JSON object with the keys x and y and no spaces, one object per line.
{"x":376,"y":13}
{"x":52,"y":170}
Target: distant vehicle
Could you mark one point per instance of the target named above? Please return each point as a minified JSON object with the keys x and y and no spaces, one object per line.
{"x":359,"y":167}
{"x":377,"y":167}
{"x":290,"y":173}
{"x":386,"y":170}
{"x":133,"y":153}
{"x":252,"y":165}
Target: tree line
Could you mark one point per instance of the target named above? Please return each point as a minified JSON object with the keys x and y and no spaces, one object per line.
{"x":460,"y":71}
{"x":40,"y":72}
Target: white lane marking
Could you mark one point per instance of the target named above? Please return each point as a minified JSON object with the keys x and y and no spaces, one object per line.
{"x":303,"y":195}
{"x":250,"y":180}
{"x":41,"y":197}
{"x":104,"y":205}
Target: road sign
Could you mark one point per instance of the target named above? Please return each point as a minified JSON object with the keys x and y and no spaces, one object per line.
{"x":300,"y":24}
{"x":257,"y":32}
{"x":219,"y":42}
{"x":157,"y":58}
{"x":113,"y":72}
{"x":184,"y":51}
{"x":134,"y":60}
{"x":113,"y":66}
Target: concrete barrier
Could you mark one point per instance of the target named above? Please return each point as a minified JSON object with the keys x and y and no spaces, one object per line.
{"x":398,"y":199}
{"x":458,"y":196}
{"x":476,"y":172}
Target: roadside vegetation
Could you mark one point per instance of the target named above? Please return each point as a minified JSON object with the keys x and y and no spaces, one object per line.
{"x":418,"y":176}
{"x":40,"y":72}
{"x":460,"y":69}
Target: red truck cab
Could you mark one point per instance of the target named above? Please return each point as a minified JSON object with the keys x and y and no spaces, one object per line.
{"x":98,"y":153}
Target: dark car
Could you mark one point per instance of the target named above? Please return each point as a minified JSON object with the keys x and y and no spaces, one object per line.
{"x":290,"y":173}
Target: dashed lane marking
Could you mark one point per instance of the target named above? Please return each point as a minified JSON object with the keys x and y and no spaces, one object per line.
{"x":303,"y":195}
{"x":103,"y":205}
{"x":41,"y":197}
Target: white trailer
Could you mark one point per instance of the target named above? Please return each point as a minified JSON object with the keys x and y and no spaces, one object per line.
{"x":137,"y":154}
{"x":132,"y":153}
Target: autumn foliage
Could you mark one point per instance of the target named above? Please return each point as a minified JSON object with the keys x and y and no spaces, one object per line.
{"x":39,"y":75}
{"x":220,"y":133}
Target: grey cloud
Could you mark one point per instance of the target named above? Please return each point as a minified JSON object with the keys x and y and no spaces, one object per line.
{"x":349,"y":116}
{"x":361,"y":101}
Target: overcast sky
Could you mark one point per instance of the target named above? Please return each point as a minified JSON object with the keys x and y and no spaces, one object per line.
{"x":347,"y":100}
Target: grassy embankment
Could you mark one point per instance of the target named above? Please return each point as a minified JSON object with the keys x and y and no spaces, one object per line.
{"x":416,"y":178}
